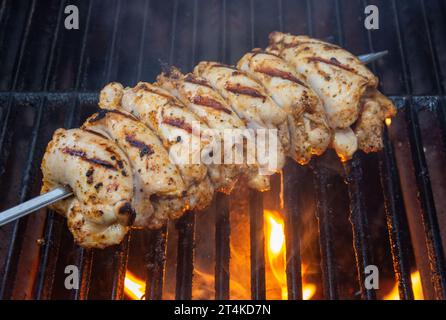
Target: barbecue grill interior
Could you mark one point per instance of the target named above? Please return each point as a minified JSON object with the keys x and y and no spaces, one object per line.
{"x":385,"y":209}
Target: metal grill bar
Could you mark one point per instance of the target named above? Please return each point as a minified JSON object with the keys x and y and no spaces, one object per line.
{"x":396,"y":223}
{"x":85,"y":261}
{"x":432,"y":49}
{"x":141,"y":44}
{"x":185,"y":256}
{"x":429,"y":213}
{"x":310,"y":25}
{"x":292,"y":232}
{"x":156,"y":258}
{"x":324,"y":214}
{"x":222,"y":232}
{"x":45,"y":279}
{"x":358,"y":219}
{"x":257,"y":240}
{"x":119,"y":269}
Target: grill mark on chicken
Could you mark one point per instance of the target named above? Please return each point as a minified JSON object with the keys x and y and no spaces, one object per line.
{"x":289,"y":45}
{"x":144,"y":87}
{"x":178,"y":123}
{"x":95,"y":133}
{"x":82,"y":155}
{"x":280,"y":74}
{"x":103,"y":112}
{"x":247,"y":91}
{"x":221,"y":65}
{"x":191,"y":79}
{"x":326,"y":46}
{"x":144,"y":149}
{"x":260,"y":51}
{"x":209,"y":102}
{"x":334,"y":62}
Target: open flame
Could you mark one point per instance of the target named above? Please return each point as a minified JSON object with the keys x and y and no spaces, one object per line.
{"x":275,"y":270}
{"x":275,"y":247}
{"x":134,"y":287}
{"x":416,"y":287}
{"x":275,"y":253}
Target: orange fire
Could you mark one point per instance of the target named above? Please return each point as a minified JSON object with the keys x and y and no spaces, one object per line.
{"x":134,"y":287}
{"x":416,"y":287}
{"x":276,"y":254}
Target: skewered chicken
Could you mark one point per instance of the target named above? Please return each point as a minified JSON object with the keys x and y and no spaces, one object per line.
{"x":148,"y":155}
{"x":174,"y":125}
{"x":309,"y":131}
{"x":198,"y":95}
{"x":251,"y":102}
{"x":99,"y":173}
{"x":343,"y":84}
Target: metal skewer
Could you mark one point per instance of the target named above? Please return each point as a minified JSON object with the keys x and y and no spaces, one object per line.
{"x":371,"y":57}
{"x":62,"y":192}
{"x":34,"y":204}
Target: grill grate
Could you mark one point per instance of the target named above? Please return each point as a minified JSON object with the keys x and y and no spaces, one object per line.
{"x":50,"y":80}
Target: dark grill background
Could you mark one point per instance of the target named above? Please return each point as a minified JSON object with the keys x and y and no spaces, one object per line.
{"x":49,"y":78}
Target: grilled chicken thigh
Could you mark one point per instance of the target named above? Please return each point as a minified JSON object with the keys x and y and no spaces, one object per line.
{"x":154,"y":176}
{"x":177,"y":128}
{"x":337,"y":76}
{"x":342,"y":82}
{"x":369,"y":127}
{"x":198,"y":95}
{"x":252,"y":104}
{"x":100,"y":176}
{"x":309,"y":131}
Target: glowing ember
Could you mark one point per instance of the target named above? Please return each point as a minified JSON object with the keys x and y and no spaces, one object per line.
{"x":276,"y":254}
{"x":416,"y":287}
{"x":134,"y":287}
{"x":388,"y":121}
